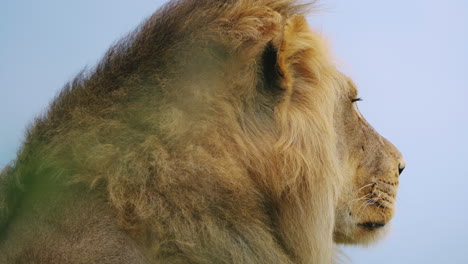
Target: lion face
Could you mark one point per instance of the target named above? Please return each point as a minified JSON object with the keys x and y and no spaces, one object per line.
{"x":373,"y":165}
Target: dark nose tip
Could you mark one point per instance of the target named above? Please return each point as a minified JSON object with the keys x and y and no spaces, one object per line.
{"x":401,"y":167}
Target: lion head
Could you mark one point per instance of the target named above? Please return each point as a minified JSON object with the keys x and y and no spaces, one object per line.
{"x":326,"y":139}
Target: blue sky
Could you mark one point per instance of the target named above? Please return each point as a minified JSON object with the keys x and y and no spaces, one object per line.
{"x":408,"y":58}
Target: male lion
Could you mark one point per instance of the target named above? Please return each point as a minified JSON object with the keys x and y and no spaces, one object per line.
{"x":218,"y":132}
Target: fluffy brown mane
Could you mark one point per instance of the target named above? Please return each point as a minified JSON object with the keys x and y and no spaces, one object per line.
{"x":202,"y":132}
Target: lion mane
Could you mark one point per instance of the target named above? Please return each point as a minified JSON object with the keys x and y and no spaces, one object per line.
{"x":200,"y":131}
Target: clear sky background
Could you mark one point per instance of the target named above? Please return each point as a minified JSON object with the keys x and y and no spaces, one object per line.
{"x":409,"y":59}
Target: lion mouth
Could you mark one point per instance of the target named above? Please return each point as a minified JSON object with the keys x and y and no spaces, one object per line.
{"x":371,"y":225}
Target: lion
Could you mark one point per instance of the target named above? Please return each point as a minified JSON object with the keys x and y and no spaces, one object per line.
{"x":217,"y":132}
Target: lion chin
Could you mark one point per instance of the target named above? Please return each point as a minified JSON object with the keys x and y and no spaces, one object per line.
{"x":217,"y":132}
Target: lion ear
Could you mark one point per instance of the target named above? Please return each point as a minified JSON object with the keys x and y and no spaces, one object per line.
{"x":270,"y":73}
{"x":289,"y":57}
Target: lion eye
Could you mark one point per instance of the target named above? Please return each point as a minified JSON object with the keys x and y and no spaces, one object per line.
{"x":356,"y":100}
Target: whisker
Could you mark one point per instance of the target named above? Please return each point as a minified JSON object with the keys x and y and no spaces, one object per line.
{"x":362,"y":197}
{"x":358,"y":199}
{"x":358,"y":190}
{"x":363,"y":206}
{"x":371,"y":201}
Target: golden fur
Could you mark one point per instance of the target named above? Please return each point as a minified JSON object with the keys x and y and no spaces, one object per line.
{"x":218,"y":132}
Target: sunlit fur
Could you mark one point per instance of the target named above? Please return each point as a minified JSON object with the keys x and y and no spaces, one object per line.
{"x":216,"y":133}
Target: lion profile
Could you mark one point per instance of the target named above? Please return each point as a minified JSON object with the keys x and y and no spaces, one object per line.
{"x":217,"y":132}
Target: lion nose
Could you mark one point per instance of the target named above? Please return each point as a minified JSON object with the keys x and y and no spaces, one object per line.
{"x":401,"y":166}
